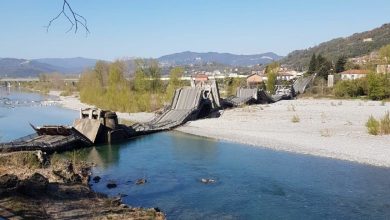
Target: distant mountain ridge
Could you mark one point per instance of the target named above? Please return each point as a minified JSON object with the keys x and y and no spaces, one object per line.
{"x":70,"y":65}
{"x":188,"y":57}
{"x":356,"y":45}
{"x":13,"y":67}
{"x":21,"y":67}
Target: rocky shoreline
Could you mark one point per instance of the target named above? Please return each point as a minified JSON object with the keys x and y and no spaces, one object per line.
{"x":33,"y":186}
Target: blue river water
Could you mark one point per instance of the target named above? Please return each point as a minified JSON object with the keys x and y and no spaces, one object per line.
{"x":251,"y":182}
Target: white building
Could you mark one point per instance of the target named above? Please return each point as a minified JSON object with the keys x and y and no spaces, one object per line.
{"x":285,"y":76}
{"x":353,"y":74}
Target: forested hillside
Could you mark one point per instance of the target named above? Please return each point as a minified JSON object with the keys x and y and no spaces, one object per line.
{"x":353,"y":46}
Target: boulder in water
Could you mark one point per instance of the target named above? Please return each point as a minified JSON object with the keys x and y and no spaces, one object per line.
{"x":96,"y":179}
{"x":141,"y":181}
{"x":207,"y":180}
{"x":111,"y":184}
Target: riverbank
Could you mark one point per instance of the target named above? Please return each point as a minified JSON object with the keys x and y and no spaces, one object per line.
{"x":73,"y":102}
{"x":35,"y":187}
{"x":320,"y":127}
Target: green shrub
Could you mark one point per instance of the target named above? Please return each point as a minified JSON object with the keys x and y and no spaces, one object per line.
{"x":378,"y":86}
{"x":385,"y":124}
{"x":373,"y":126}
{"x":351,"y":88}
{"x":325,"y":132}
{"x":295,"y":119}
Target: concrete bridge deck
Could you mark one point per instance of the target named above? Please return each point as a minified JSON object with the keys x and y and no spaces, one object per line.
{"x":187,"y":104}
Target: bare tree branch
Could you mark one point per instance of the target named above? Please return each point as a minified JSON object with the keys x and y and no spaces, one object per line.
{"x":74,"y":19}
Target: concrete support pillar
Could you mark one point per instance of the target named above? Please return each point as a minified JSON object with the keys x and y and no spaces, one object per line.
{"x":90,"y":114}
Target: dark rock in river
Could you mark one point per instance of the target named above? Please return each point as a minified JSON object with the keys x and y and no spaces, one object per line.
{"x":111,"y":185}
{"x":141,"y":181}
{"x":96,"y":179}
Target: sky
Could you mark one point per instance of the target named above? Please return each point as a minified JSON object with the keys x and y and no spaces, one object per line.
{"x":147,"y":28}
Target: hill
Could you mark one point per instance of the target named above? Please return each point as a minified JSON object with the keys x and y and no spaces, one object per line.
{"x":69,"y":65}
{"x":358,"y":44}
{"x":188,"y":58}
{"x":22,"y":68}
{"x":13,"y":67}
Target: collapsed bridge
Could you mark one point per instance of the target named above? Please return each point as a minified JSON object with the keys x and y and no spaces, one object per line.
{"x":97,"y":126}
{"x":48,"y":139}
{"x":249,"y":96}
{"x":302,"y":83}
{"x":188,"y":103}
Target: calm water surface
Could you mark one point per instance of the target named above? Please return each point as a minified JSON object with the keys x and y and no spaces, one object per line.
{"x":251,"y":183}
{"x":18,"y":109}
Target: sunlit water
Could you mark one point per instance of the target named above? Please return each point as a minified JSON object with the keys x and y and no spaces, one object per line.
{"x":18,"y":109}
{"x":251,"y":182}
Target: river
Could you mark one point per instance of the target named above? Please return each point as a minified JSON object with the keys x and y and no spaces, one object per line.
{"x":250,"y":182}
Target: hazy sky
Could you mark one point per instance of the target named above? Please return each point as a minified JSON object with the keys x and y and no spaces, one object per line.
{"x":146,"y":28}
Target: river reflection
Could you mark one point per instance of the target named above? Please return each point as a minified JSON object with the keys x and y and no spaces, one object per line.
{"x":102,"y":156}
{"x":106,"y":155}
{"x":182,"y":147}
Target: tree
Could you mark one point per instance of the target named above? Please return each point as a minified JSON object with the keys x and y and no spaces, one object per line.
{"x":73,"y":17}
{"x":323,"y":66}
{"x":376,"y":84}
{"x":340,"y":64}
{"x":312,"y":65}
{"x":384,"y":53}
{"x":325,"y":69}
{"x":101,"y":73}
{"x":271,"y":70}
{"x":140,"y":76}
{"x":271,"y":82}
{"x":174,"y":82}
{"x":232,"y":84}
{"x":116,"y":79}
{"x":154,"y":73}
